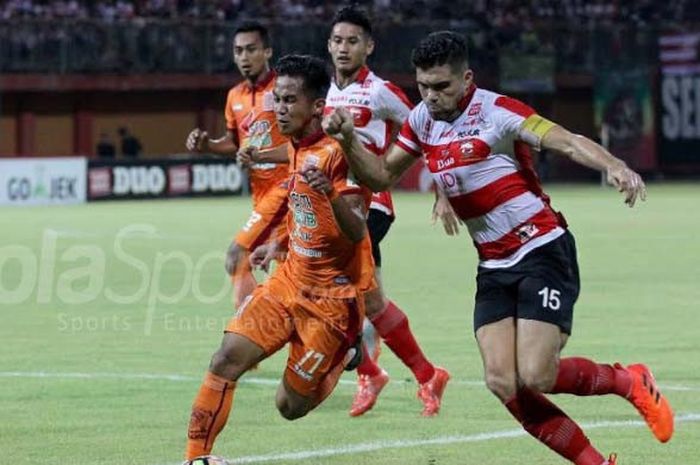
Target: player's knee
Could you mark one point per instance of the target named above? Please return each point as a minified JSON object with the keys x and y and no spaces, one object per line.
{"x":374,"y":304}
{"x":289,"y":410}
{"x":537,"y":377}
{"x":228,"y":364}
{"x":234,"y":255}
{"x":501,"y":383}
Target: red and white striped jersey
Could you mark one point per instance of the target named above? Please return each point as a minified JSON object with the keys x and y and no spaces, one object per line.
{"x":378,"y":108}
{"x":484,"y":166}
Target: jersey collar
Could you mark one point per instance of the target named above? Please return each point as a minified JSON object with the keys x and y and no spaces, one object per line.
{"x":309,"y":140}
{"x":362,"y":75}
{"x":262,"y":82}
{"x":466,"y":100}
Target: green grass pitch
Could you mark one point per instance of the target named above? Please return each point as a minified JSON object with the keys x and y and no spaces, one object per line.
{"x":110,"y":312}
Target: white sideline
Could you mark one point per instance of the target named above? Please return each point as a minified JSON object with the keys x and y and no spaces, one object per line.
{"x":437,"y":441}
{"x":244,"y":380}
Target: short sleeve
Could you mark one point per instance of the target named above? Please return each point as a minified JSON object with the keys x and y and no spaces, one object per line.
{"x":521,"y":122}
{"x":408,"y":140}
{"x":340,"y":175}
{"x":511,"y":114}
{"x":230,"y":116}
{"x":393,"y":103}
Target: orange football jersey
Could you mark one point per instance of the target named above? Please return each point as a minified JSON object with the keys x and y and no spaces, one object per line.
{"x":250,"y":115}
{"x":321,"y":260}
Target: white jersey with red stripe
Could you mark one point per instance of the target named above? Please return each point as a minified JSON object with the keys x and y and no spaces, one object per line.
{"x":485,"y":168}
{"x":378,"y":108}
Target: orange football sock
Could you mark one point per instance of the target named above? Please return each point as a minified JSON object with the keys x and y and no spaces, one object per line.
{"x":209,"y":414}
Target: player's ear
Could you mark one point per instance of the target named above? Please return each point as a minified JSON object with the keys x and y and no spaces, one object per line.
{"x":370,"y":46}
{"x":319,"y":106}
{"x":468,"y":77}
{"x":268,"y":53}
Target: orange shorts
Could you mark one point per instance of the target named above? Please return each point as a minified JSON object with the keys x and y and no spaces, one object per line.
{"x":320,"y":330}
{"x":266,"y":220}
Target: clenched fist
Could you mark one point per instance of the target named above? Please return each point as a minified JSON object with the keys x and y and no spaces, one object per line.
{"x":197,"y":141}
{"x":338,"y":124}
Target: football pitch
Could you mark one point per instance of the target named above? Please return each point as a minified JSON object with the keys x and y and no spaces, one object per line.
{"x":112,"y":310}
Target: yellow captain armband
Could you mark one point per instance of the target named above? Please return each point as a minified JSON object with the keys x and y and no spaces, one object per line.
{"x":534,"y":128}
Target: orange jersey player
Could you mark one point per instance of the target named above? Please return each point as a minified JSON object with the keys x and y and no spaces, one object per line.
{"x":313,"y":301}
{"x":253,"y":137}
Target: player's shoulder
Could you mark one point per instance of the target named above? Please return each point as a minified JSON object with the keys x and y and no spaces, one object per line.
{"x":237,"y":90}
{"x":501,"y":103}
{"x":418,"y":115}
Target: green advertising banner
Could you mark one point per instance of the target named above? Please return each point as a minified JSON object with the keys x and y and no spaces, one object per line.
{"x":623,"y":109}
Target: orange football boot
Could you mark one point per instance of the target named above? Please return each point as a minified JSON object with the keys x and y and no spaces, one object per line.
{"x":648,"y":400}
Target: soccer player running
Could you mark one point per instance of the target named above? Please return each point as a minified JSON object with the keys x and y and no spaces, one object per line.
{"x":477,"y":146}
{"x":312,"y":300}
{"x":253,"y":137}
{"x":377,"y":107}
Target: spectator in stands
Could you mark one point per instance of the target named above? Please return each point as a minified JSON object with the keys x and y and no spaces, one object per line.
{"x":131,"y":146}
{"x":105,"y":147}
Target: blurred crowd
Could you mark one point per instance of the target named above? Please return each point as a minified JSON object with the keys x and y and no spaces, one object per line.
{"x":137,"y":36}
{"x":494,"y":12}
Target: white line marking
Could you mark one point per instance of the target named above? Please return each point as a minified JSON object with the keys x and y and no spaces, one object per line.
{"x":437,"y":441}
{"x":246,"y":380}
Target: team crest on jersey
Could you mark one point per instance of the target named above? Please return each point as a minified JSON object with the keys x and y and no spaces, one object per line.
{"x":474,"y":109}
{"x":467,"y":149}
{"x":527,"y":232}
{"x":268,"y":101}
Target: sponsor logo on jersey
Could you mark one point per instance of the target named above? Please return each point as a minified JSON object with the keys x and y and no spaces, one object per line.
{"x":474,"y":109}
{"x":442,"y":164}
{"x":358,"y":101}
{"x":237,"y":106}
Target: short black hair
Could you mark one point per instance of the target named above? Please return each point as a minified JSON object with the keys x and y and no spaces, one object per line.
{"x":354,"y":15}
{"x":312,"y":70}
{"x":439,"y":48}
{"x":254,"y":26}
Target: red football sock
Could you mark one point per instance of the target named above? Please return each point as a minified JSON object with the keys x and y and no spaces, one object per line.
{"x":392,"y":326}
{"x":584,"y":377}
{"x":368,"y":367}
{"x":549,"y":425}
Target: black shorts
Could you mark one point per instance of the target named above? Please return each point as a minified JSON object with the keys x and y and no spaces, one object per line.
{"x":543,"y":286}
{"x":378,"y":224}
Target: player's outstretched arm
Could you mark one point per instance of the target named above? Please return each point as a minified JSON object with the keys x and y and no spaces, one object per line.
{"x":588,"y":153}
{"x":250,"y":155}
{"x":377,"y":173}
{"x":348,"y":210}
{"x":198,"y":141}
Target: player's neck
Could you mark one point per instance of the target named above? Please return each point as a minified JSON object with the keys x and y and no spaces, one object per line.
{"x":253,"y":80}
{"x":343,"y":80}
{"x":314,"y":127}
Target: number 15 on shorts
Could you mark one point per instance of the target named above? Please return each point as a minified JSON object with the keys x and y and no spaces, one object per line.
{"x":550,"y":298}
